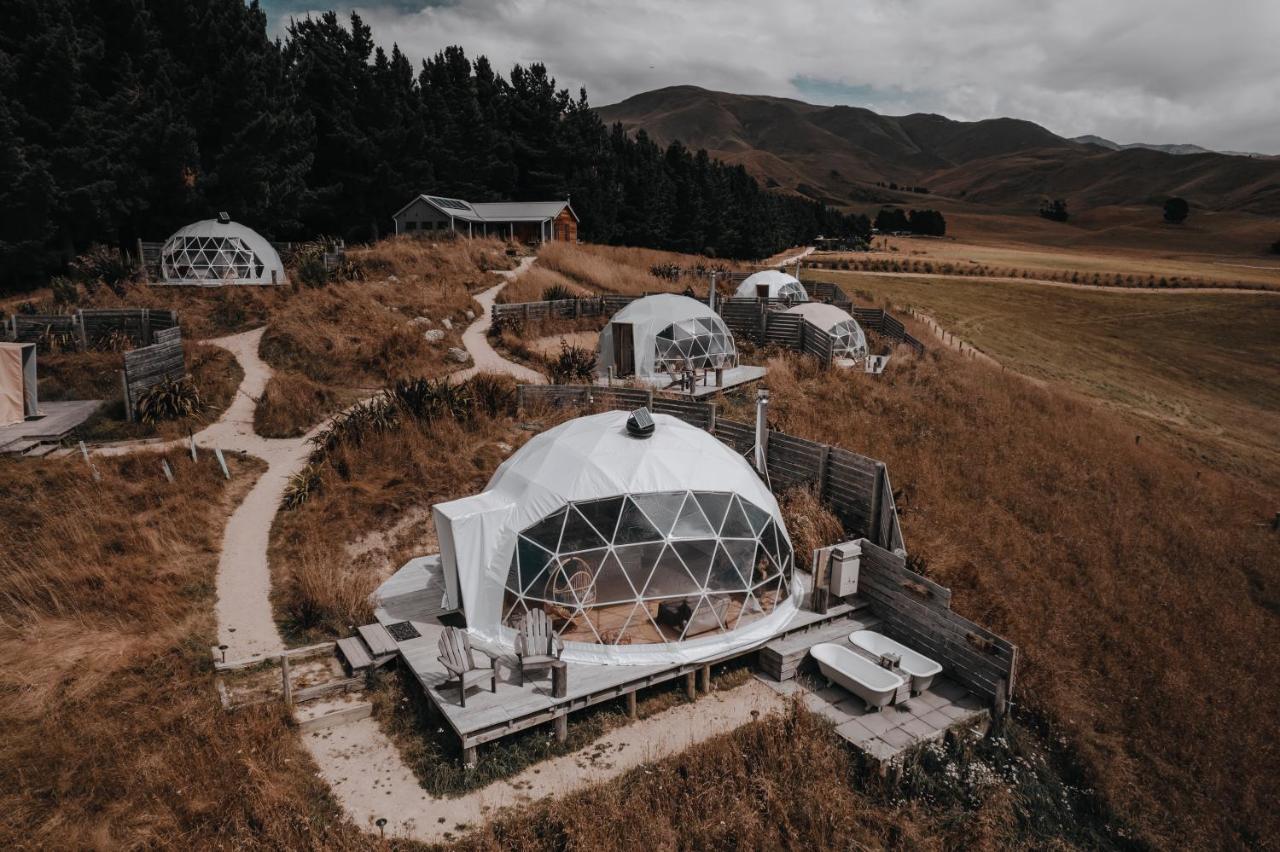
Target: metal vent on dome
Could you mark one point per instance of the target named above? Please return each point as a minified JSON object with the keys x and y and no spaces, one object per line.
{"x":640,"y":424}
{"x":224,"y":217}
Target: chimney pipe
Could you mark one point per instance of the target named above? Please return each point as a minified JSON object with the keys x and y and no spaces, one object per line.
{"x":762,"y":431}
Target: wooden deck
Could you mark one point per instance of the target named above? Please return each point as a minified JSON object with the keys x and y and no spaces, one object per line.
{"x":57,"y":420}
{"x":733,"y":378}
{"x":490,"y":716}
{"x":414,"y":593}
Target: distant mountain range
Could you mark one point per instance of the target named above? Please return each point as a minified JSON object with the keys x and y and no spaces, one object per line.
{"x":1090,"y":139}
{"x":852,"y":156}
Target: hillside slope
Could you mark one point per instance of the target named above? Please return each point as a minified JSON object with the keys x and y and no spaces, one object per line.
{"x":844,"y":154}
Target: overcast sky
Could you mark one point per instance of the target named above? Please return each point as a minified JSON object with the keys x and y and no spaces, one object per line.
{"x":1131,"y":70}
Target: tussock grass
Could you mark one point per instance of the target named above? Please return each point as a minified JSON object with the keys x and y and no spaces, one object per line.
{"x":291,"y":403}
{"x":1130,"y":576}
{"x":622,"y":270}
{"x":534,"y":282}
{"x":114,"y":736}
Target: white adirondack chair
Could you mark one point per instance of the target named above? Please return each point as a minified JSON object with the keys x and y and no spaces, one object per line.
{"x":537,"y":645}
{"x":455,"y":656}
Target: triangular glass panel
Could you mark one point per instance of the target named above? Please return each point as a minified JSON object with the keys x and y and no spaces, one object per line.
{"x":612,"y":585}
{"x":691,"y":521}
{"x":670,"y":579}
{"x":579,"y":534}
{"x":725,"y":574}
{"x":546,"y":532}
{"x":757,"y":516}
{"x":768,"y":594}
{"x":602,"y":514}
{"x":713,"y":506}
{"x":735,"y":522}
{"x":703,"y":621}
{"x":637,"y":560}
{"x":634,"y":526}
{"x":515,"y":612}
{"x":572,"y":581}
{"x":661,"y":508}
{"x":697,"y":556}
{"x":533,"y":560}
{"x":749,"y":612}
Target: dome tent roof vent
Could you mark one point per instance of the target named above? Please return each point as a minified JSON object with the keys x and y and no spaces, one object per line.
{"x":224,"y":217}
{"x":640,"y":424}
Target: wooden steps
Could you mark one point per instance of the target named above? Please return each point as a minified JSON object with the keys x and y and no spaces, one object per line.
{"x":781,"y":658}
{"x":371,"y":647}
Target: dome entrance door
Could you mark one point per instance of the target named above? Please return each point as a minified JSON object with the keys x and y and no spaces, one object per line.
{"x":624,"y":350}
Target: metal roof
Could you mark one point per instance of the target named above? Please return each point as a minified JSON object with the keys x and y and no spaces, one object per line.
{"x":496,"y":211}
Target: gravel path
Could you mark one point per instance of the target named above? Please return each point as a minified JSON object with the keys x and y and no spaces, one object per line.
{"x":370,"y":779}
{"x":476,"y":338}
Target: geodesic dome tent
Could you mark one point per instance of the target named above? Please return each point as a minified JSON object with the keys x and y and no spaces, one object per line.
{"x":641,"y":550}
{"x":850,"y":341}
{"x":219,"y":251}
{"x":664,"y":331}
{"x":772,"y":284}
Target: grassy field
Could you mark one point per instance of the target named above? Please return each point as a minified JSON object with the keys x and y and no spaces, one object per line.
{"x":1039,"y":261}
{"x":1199,"y":368}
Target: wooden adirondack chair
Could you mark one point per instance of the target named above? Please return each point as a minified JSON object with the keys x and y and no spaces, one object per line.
{"x":537,"y":645}
{"x":455,"y":655}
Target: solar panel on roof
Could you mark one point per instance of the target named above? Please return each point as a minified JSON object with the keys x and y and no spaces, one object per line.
{"x":640,"y":424}
{"x":451,"y":203}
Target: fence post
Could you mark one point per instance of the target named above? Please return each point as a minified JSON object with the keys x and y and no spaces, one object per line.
{"x":128,"y":403}
{"x":877,"y":495}
{"x":711,"y":427}
{"x":822,"y":471}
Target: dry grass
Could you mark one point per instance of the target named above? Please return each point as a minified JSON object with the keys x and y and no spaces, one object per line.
{"x":1198,"y":368}
{"x":616,"y":269}
{"x":533,"y":284}
{"x":96,"y":375}
{"x":114,"y":736}
{"x":291,"y":403}
{"x":810,"y":523}
{"x":1130,"y":576}
{"x":320,"y":591}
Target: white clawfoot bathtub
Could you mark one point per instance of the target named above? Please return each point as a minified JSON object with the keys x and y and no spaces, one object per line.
{"x":864,"y":678}
{"x":922,"y":669}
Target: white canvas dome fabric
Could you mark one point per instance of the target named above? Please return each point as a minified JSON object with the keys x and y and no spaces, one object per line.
{"x":780,"y":284}
{"x":653,"y":315}
{"x":584,"y":459}
{"x":850,"y":340}
{"x":211,"y":253}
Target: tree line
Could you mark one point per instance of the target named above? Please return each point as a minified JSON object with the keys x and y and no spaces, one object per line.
{"x":924,"y":222}
{"x":121,"y":120}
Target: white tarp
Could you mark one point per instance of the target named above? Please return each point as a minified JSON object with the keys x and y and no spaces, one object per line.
{"x":14,"y":378}
{"x":591,"y":458}
{"x":648,"y":317}
{"x":780,"y":284}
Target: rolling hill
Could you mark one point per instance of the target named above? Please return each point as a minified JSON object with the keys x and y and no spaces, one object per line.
{"x":850,"y":156}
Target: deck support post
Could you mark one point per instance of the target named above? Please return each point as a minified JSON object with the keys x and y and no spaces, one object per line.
{"x":287,"y":686}
{"x":704,"y":679}
{"x":690,"y":687}
{"x":469,"y":757}
{"x":562,"y":727}
{"x":631,"y":705}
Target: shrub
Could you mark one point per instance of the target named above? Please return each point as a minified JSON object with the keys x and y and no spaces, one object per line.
{"x":169,"y":400}
{"x":556,"y":292}
{"x":301,"y":486}
{"x":1176,"y":210}
{"x":309,"y":269}
{"x":65,"y":291}
{"x":574,"y":364}
{"x":427,"y":399}
{"x":102,"y":265}
{"x":493,"y":395}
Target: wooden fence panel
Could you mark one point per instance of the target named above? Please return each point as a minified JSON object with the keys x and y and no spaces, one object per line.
{"x":818,"y":342}
{"x":740,"y":436}
{"x":700,"y":414}
{"x":151,"y":365}
{"x":917,"y":612}
{"x":30,"y":328}
{"x":138,"y":324}
{"x":781,"y":329}
{"x":744,"y":317}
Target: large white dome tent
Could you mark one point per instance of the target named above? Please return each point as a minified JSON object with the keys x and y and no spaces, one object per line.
{"x":658,"y":333}
{"x":850,"y":340}
{"x":772,"y":284}
{"x":641,"y":550}
{"x":219,"y":251}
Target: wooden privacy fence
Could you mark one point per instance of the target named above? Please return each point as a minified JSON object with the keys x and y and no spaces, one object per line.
{"x":917,"y":612}
{"x":595,"y":306}
{"x":151,"y":365}
{"x":88,"y":328}
{"x":855,"y":487}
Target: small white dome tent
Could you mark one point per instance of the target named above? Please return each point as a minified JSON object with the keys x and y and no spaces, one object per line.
{"x":850,"y":341}
{"x":665,"y":331}
{"x":772,"y":284}
{"x":661,"y":549}
{"x":218,"y":251}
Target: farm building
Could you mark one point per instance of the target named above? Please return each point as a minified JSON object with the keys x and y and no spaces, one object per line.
{"x":849,"y":342}
{"x":771,"y":284}
{"x":640,"y":550}
{"x":664,"y":339}
{"x":524,"y":221}
{"x":219,"y":251}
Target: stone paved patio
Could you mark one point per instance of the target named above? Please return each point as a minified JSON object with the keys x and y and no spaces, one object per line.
{"x":886,"y":733}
